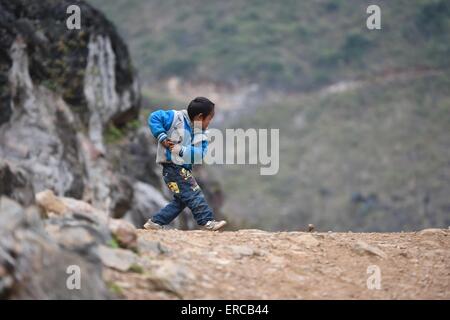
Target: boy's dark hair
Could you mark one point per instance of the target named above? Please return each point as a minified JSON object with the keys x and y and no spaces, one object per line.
{"x":200,"y":105}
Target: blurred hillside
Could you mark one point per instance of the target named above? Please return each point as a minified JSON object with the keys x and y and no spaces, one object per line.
{"x":369,"y":158}
{"x":285,"y":45}
{"x":364,"y":116}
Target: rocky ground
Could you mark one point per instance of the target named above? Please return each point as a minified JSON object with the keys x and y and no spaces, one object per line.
{"x":254,"y":264}
{"x":40,"y":244}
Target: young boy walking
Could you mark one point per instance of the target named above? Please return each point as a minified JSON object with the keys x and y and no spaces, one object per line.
{"x":182,"y":142}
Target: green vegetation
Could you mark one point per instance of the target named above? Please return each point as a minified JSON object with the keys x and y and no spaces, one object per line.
{"x":289,"y":44}
{"x":114,"y":288}
{"x":373,"y":158}
{"x":136,"y":268}
{"x":113,"y":243}
{"x":114,"y":134}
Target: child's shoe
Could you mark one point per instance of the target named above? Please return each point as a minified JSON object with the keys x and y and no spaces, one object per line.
{"x":150,"y":225}
{"x":214,"y":225}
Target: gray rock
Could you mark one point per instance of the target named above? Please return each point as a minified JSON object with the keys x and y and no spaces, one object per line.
{"x":146,"y":246}
{"x":12,"y":213}
{"x":64,"y":206}
{"x":67,"y":125}
{"x":169,"y":276}
{"x":135,"y":158}
{"x":74,"y":224}
{"x":73,"y":213}
{"x":71,"y":238}
{"x":15,"y":184}
{"x":124,"y":232}
{"x":35,"y":266}
{"x":37,"y":119}
{"x":105,"y":103}
{"x":362,"y":247}
{"x":146,"y":202}
{"x":119,"y":259}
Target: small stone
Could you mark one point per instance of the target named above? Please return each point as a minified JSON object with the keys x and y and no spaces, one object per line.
{"x":50,"y":203}
{"x":363,"y":247}
{"x":119,"y":259}
{"x":219,"y":261}
{"x":307,"y":240}
{"x":83,"y":208}
{"x":169,"y":276}
{"x":72,"y":238}
{"x":124,"y":232}
{"x":242,"y":251}
{"x":146,"y":246}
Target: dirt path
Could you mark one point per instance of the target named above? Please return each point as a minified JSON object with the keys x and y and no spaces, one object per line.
{"x":253,"y":264}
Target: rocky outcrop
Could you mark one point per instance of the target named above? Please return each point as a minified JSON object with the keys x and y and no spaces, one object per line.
{"x":59,"y":91}
{"x":66,"y":249}
{"x":36,"y":264}
{"x":104,"y":102}
{"x":15,"y":183}
{"x":42,"y":246}
{"x":122,"y":231}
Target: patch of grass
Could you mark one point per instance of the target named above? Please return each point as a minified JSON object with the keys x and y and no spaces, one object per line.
{"x":114,"y":134}
{"x":114,"y":288}
{"x":136,"y":268}
{"x":133,"y":125}
{"x":113,"y":243}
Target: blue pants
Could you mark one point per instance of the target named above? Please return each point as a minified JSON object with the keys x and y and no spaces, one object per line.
{"x":186,"y":193}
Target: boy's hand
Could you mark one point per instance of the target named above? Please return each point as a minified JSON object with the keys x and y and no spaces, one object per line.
{"x":168,"y":143}
{"x":175,"y":148}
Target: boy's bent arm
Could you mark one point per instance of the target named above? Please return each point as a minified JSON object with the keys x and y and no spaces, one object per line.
{"x":160,"y":122}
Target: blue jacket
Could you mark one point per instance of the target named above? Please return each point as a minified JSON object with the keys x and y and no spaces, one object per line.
{"x":163,"y":123}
